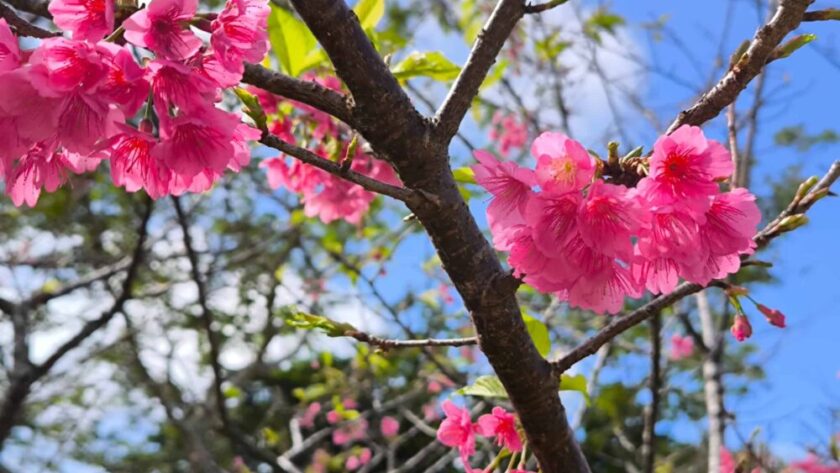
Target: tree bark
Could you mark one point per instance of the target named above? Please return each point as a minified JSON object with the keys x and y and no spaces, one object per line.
{"x":419,"y":154}
{"x":712,"y":386}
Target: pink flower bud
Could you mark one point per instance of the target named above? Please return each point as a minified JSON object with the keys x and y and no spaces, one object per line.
{"x":741,"y":328}
{"x":774,"y":316}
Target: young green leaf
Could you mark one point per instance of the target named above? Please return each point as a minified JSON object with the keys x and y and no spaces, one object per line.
{"x":577,"y":383}
{"x":369,"y":12}
{"x":427,"y":64}
{"x":539,"y":334}
{"x":291,"y":41}
{"x":484,"y":386}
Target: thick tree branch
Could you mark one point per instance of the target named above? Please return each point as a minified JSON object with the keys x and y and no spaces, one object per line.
{"x":786,"y":19}
{"x":308,"y":157}
{"x":422,"y":161}
{"x":382,"y":110}
{"x":22,"y":27}
{"x":307,"y":92}
{"x":36,"y":7}
{"x":482,"y":57}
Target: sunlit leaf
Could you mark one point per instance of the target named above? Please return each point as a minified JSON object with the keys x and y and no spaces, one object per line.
{"x":575,"y":382}
{"x":426,"y":64}
{"x":369,"y":12}
{"x":291,"y":41}
{"x":539,"y":334}
{"x":485,"y":386}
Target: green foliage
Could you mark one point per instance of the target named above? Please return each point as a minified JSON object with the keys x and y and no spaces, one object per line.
{"x":293,"y":44}
{"x":252,"y":107}
{"x":433,"y":65}
{"x":370,"y":12}
{"x":602,"y":21}
{"x":304,"y":321}
{"x":485,"y":386}
{"x":576,"y":383}
{"x":797,"y":137}
{"x":539,"y":334}
{"x":464,"y":175}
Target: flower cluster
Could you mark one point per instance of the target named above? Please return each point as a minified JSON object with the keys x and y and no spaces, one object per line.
{"x":592,"y":242}
{"x":457,"y":430}
{"x":72,"y":102}
{"x":323,"y":195}
{"x":508,"y":131}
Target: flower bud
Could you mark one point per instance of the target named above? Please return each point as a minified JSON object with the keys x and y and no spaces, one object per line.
{"x":741,"y":328}
{"x":792,"y":222}
{"x":146,"y":126}
{"x":774,"y":316}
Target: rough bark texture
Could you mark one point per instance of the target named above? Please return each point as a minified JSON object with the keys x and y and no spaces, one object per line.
{"x":419,"y":154}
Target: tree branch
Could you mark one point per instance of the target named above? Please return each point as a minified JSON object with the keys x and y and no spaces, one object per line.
{"x":308,"y":157}
{"x":425,"y":342}
{"x":544,"y":6}
{"x":23,"y":27}
{"x":12,"y":404}
{"x":787,"y":18}
{"x":307,"y":92}
{"x":822,"y":15}
{"x":655,"y":385}
{"x":490,"y":41}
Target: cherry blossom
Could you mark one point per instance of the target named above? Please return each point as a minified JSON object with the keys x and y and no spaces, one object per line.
{"x":457,"y":430}
{"x":502,"y":425}
{"x":681,"y":347}
{"x":162,"y":27}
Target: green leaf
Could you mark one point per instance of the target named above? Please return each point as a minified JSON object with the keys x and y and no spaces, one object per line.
{"x":369,"y":12}
{"x":305,"y":321}
{"x":495,"y":74}
{"x":575,"y":383}
{"x":427,"y":64}
{"x":602,"y":21}
{"x":464,"y":175}
{"x":485,"y":386}
{"x":291,"y":41}
{"x":539,"y":334}
{"x":252,"y":107}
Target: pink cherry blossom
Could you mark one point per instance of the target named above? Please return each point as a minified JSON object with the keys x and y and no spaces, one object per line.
{"x":502,"y":425}
{"x":61,"y":65}
{"x":350,"y":432}
{"x":508,"y":131}
{"x":509,"y":183}
{"x":812,"y":464}
{"x":85,"y":120}
{"x":563,"y":164}
{"x":741,"y":328}
{"x":681,"y":347}
{"x":124,"y":84}
{"x":42,"y":167}
{"x":683,"y":170}
{"x":9,"y":49}
{"x":133,"y":164}
{"x":307,"y":420}
{"x":731,"y":222}
{"x":774,"y":316}
{"x":727,"y":462}
{"x":389,"y":426}
{"x":333,"y":417}
{"x":162,"y":27}
{"x":603,"y":290}
{"x":87,"y":20}
{"x":608,"y":218}
{"x":239,"y":33}
{"x":191,"y":143}
{"x":457,"y":430}
{"x":174,"y":84}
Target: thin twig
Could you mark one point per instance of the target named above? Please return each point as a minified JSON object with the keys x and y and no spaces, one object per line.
{"x":308,"y":157}
{"x":426,"y":342}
